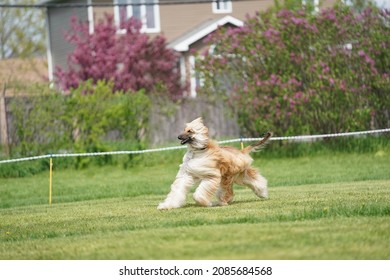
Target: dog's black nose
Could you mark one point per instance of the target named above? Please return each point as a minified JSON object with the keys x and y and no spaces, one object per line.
{"x":182,"y":136}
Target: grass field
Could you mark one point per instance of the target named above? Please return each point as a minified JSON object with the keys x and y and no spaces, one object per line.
{"x":320,"y":207}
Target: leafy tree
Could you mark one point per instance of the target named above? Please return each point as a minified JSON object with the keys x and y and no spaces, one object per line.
{"x":297,"y":72}
{"x":22,"y":31}
{"x":132,"y":60}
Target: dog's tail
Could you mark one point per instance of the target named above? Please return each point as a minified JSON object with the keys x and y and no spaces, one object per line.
{"x":257,"y":146}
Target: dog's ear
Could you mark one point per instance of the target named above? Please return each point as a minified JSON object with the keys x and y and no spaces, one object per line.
{"x":195,"y":122}
{"x":200,"y":120}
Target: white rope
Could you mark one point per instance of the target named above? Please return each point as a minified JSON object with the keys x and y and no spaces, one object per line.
{"x":301,"y":137}
{"x":304,"y":137}
{"x":93,"y":154}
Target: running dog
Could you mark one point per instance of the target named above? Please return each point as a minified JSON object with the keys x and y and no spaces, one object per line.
{"x":215,"y":168}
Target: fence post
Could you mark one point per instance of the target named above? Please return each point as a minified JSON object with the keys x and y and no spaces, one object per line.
{"x":3,"y":123}
{"x":50,"y":180}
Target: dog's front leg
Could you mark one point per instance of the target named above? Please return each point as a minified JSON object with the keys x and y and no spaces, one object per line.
{"x":178,"y":194}
{"x":206,"y":190}
{"x":180,"y":187}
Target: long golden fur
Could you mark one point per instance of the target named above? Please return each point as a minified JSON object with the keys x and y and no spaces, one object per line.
{"x":215,"y":168}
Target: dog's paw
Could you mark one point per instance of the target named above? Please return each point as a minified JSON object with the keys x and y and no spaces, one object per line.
{"x":219,"y":203}
{"x":264,"y":193}
{"x":166,"y":206}
{"x":163,"y":206}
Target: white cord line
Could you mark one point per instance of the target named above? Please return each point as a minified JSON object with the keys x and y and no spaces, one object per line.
{"x":301,"y":137}
{"x":93,"y":154}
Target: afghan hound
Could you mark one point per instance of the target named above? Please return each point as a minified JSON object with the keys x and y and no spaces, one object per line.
{"x":215,"y":168}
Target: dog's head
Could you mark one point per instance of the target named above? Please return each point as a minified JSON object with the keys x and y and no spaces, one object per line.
{"x":195,"y":134}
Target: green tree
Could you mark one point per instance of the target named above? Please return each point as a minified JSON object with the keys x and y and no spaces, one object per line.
{"x":22,"y":31}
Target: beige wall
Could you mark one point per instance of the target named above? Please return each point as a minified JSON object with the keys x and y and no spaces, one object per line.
{"x":99,"y":11}
{"x":175,"y":20}
{"x":328,"y":3}
{"x":178,"y":19}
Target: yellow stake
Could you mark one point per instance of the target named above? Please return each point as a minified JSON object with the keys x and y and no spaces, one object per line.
{"x":242,"y":145}
{"x":51,"y":180}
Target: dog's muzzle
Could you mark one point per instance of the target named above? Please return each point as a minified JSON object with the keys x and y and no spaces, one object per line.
{"x":185,"y":138}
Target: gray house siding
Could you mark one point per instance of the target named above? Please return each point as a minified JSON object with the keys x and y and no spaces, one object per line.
{"x":58,"y":24}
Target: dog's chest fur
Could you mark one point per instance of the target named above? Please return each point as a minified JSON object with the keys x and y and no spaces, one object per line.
{"x":199,"y":164}
{"x":223,"y":162}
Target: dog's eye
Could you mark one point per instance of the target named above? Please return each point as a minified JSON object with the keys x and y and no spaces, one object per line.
{"x":190,"y":131}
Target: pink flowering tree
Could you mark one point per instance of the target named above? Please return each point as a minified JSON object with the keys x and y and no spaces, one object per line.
{"x":297,"y":72}
{"x":130,"y":60}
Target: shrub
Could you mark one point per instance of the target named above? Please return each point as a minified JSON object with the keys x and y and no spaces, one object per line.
{"x":80,"y":122}
{"x":96,"y":112}
{"x":132,"y":60}
{"x":296,"y":72}
{"x":37,"y":122}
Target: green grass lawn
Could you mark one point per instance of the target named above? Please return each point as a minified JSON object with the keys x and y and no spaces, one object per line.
{"x":320,"y":207}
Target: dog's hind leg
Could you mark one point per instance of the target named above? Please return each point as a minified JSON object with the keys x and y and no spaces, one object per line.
{"x":252,"y":179}
{"x":206,"y":190}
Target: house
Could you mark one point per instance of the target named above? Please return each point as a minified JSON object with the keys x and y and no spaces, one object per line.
{"x":184,"y":23}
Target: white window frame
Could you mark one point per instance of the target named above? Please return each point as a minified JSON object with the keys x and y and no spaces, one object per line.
{"x":196,"y":79}
{"x":129,"y":9}
{"x":90,"y":17}
{"x":222,"y":10}
{"x":191,"y":61}
{"x":182,"y":67}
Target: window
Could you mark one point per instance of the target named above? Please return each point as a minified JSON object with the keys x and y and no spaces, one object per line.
{"x":222,"y":6}
{"x":147,"y":11}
